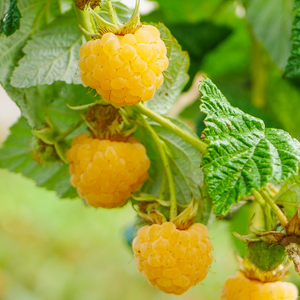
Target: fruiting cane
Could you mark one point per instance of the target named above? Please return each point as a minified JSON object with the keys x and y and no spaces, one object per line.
{"x":124,"y":63}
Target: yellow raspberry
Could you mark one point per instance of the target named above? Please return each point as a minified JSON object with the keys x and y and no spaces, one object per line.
{"x":106,"y":172}
{"x":240,"y":287}
{"x":173,"y":260}
{"x":125,"y":69}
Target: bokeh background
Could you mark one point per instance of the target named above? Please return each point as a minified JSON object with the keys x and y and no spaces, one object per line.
{"x":60,"y":249}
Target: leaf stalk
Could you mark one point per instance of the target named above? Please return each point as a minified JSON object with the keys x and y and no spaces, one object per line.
{"x":112,"y":13}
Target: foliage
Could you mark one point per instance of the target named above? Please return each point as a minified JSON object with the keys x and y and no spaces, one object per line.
{"x":235,"y":154}
{"x":11,"y":19}
{"x":292,"y":68}
{"x":243,"y":155}
{"x":271,"y":22}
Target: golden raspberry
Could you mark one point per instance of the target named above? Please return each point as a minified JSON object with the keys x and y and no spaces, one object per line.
{"x":239,"y":287}
{"x":106,"y":172}
{"x":124,"y":69}
{"x":173,"y":260}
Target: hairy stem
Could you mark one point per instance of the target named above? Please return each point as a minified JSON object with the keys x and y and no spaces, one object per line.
{"x":112,"y":13}
{"x":161,"y":148}
{"x":166,"y":123}
{"x":277,"y":211}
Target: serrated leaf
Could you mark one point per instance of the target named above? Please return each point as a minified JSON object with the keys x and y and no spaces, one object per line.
{"x":289,"y":196}
{"x":35,"y":15}
{"x":184,"y":161}
{"x":242,"y":155}
{"x":51,"y":55}
{"x":11,"y":20}
{"x":292,"y":68}
{"x":176,"y":76}
{"x":17,"y":156}
{"x":271,"y":22}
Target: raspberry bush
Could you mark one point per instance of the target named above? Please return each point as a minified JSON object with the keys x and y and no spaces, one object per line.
{"x":97,"y":86}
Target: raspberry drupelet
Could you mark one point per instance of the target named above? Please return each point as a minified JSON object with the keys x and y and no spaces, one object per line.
{"x":125,"y":69}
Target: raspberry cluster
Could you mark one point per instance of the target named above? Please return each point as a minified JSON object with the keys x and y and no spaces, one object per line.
{"x":124,"y":69}
{"x":240,"y":287}
{"x":173,"y":260}
{"x":106,"y":172}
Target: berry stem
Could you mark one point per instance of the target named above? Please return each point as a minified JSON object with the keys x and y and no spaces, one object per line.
{"x":64,"y":134}
{"x":164,"y":122}
{"x":112,"y":13}
{"x":84,"y":19}
{"x":265,"y":210}
{"x":161,"y":148}
{"x":277,"y":211}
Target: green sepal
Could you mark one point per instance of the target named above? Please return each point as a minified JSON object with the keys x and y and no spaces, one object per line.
{"x":47,"y":135}
{"x":61,"y":149}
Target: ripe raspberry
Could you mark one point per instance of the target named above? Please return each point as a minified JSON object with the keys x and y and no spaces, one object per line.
{"x":106,"y":172}
{"x":125,"y":69}
{"x":240,"y":287}
{"x":173,"y":260}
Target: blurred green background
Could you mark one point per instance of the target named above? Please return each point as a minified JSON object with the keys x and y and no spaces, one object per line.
{"x":60,"y":249}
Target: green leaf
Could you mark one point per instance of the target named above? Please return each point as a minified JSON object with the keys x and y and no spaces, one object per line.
{"x":242,"y":155}
{"x":11,"y":20}
{"x":184,"y":161}
{"x":202,"y":38}
{"x":51,"y":55}
{"x":35,"y":15}
{"x":289,"y":196}
{"x":186,"y":11}
{"x":292,"y":68}
{"x":17,"y":156}
{"x":271,"y":22}
{"x":176,"y":75}
{"x":37,"y":102}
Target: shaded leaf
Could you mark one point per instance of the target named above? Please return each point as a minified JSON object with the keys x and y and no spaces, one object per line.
{"x":17,"y":155}
{"x":202,"y":38}
{"x":51,"y":55}
{"x":271,"y":22}
{"x":11,"y":19}
{"x":292,"y":68}
{"x":176,"y":74}
{"x":242,"y":155}
{"x":37,"y":102}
